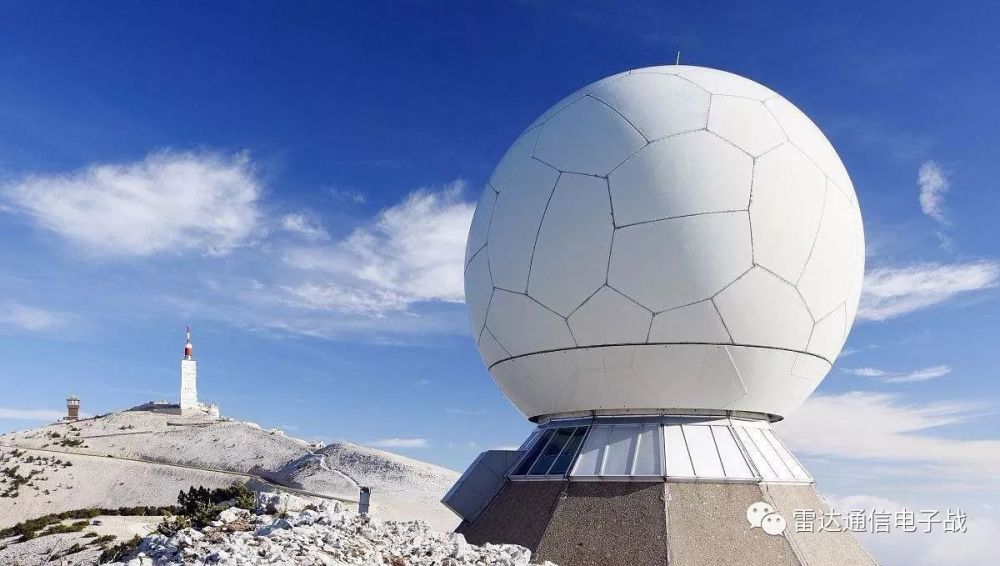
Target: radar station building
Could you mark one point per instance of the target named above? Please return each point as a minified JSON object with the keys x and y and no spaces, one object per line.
{"x":662,"y":265}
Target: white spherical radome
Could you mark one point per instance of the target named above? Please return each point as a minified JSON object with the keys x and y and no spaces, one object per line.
{"x":672,"y":239}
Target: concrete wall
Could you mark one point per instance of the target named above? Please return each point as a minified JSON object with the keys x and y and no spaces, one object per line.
{"x":518,"y":514}
{"x":707,"y":525}
{"x":658,"y":523}
{"x":605,"y":524}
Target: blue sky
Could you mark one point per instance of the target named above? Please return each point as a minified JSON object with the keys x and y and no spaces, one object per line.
{"x":297,"y":183}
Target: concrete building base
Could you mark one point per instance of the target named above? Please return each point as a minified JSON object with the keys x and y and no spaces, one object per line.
{"x":609,"y":523}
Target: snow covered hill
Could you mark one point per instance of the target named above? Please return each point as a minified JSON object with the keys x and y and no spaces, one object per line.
{"x":134,"y":458}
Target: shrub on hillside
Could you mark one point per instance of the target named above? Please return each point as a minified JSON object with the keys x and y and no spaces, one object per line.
{"x":120,"y":550}
{"x":201,"y":504}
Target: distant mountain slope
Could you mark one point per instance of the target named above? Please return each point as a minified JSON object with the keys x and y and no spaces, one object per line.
{"x":413,"y":488}
{"x":142,"y":458}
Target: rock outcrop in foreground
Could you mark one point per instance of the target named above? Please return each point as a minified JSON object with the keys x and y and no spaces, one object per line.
{"x":288,"y":530}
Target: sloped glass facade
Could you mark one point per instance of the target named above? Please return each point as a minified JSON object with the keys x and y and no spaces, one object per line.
{"x":658,"y":447}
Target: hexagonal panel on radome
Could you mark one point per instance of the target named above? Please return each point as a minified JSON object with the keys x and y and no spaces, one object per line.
{"x":761,"y":310}
{"x":587,"y":137}
{"x":715,"y":81}
{"x":596,"y":373}
{"x":760,"y":366}
{"x":688,"y":376}
{"x":516,"y":218}
{"x":522,"y":326}
{"x":830,"y":271}
{"x":657,"y":105}
{"x":516,"y":156}
{"x":480,"y":228}
{"x":779,"y":397}
{"x":571,"y":254}
{"x":520,"y":391}
{"x":541,"y":380}
{"x":785,"y":210}
{"x":711,"y":250}
{"x":699,"y":322}
{"x":588,"y":384}
{"x":804,"y":134}
{"x":577,"y":95}
{"x":829,"y":334}
{"x":686,"y":174}
{"x":809,"y":367}
{"x":745,"y":123}
{"x":478,"y":290}
{"x":491,"y":350}
{"x":609,"y":318}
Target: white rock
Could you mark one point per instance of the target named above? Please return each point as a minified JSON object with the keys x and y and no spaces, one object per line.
{"x":329,"y":535}
{"x":233,"y":514}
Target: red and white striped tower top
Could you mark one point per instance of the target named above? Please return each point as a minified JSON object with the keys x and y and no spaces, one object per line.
{"x":188,"y":347}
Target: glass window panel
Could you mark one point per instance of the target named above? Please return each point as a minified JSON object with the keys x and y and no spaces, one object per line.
{"x":733,"y":461}
{"x":763,"y":468}
{"x":786,"y":457}
{"x":678,"y":461}
{"x":773,"y":460}
{"x":566,"y":457}
{"x":550,"y":452}
{"x":704,"y":454}
{"x":619,"y":453}
{"x":531,"y":439}
{"x":592,"y":455}
{"x":532,"y":454}
{"x":647,"y":454}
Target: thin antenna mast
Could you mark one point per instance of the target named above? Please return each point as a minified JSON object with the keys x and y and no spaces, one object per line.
{"x":678,"y":60}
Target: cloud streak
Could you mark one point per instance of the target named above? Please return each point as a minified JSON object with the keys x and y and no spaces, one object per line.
{"x":890,"y":292}
{"x":933,"y":184}
{"x":923,"y":374}
{"x":880,"y":428}
{"x":30,"y":414}
{"x":411,"y":252}
{"x":303,"y":225}
{"x":17,"y":316}
{"x":169,"y":202}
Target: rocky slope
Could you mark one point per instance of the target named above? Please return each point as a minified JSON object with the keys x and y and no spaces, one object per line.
{"x":287,"y":530}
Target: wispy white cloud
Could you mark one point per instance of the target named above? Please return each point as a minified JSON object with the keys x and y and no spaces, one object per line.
{"x":847,"y":352}
{"x":411,"y":252}
{"x":881,"y":428}
{"x":304,"y":225}
{"x":396,"y":278}
{"x":348,"y":195}
{"x":345,"y":298}
{"x":466,"y":412}
{"x":890,"y":292}
{"x":923,"y":374}
{"x":979,"y":544}
{"x":17,"y":316}
{"x":421,"y":382}
{"x":400,"y":443}
{"x":934,"y":184}
{"x":167,"y":202}
{"x":30,"y":414}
